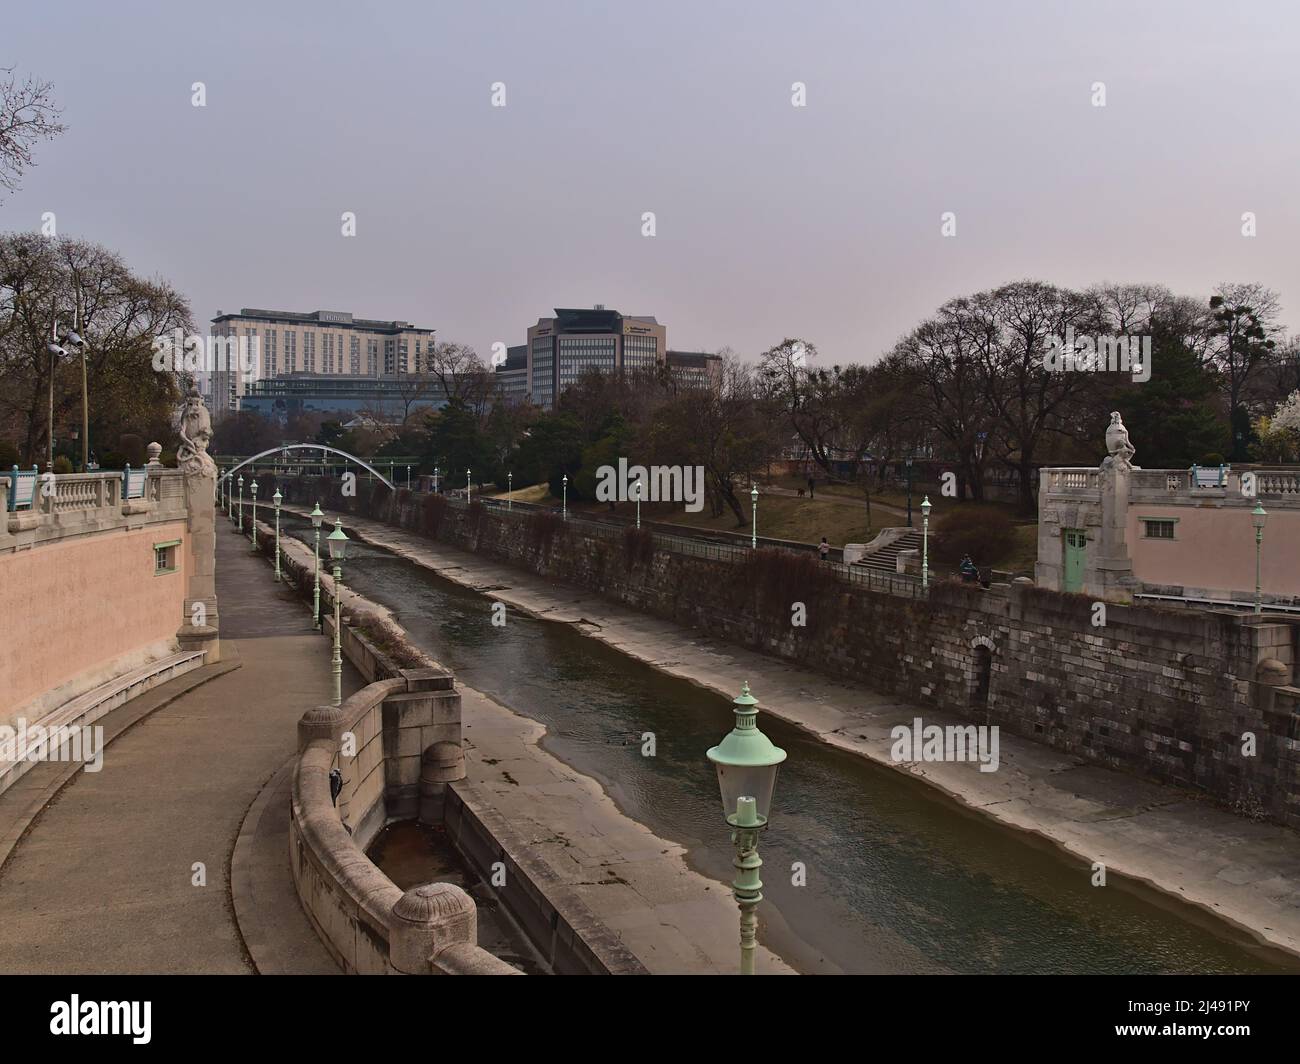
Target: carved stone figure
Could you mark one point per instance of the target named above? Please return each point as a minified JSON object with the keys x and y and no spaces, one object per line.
{"x":1117,"y":444}
{"x":195,"y":428}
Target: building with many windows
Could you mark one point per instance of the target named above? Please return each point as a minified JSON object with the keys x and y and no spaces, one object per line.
{"x":388,"y":399}
{"x":324,"y":343}
{"x":562,"y":348}
{"x":696,"y":369}
{"x":512,"y":376}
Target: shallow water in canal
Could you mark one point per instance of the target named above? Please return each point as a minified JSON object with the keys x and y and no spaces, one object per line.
{"x":899,"y":879}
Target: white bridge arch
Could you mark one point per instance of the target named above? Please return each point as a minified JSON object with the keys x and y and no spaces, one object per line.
{"x":306,"y":447}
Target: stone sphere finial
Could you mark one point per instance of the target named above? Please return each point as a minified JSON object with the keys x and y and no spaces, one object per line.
{"x":154,"y":451}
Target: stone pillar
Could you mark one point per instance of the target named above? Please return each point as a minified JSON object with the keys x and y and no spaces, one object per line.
{"x":1109,"y":572}
{"x":200,"y":626}
{"x":442,"y":763}
{"x":426,"y":919}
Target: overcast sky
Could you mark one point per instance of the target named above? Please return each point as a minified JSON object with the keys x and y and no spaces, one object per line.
{"x":821,"y":222}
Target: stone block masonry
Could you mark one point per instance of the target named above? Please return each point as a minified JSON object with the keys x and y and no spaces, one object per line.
{"x":1196,"y":699}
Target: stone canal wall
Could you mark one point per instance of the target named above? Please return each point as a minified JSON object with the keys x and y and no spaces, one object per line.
{"x":1192,"y":698}
{"x":405,"y":726}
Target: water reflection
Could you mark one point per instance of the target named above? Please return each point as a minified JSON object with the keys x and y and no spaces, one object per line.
{"x":897,"y":879}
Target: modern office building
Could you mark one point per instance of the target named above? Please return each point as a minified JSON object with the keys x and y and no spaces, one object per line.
{"x":325,"y":343}
{"x":562,"y":348}
{"x":512,"y":376}
{"x":696,"y":369}
{"x":386,"y":399}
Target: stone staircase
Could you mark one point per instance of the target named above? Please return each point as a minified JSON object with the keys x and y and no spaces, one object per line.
{"x":884,"y":559}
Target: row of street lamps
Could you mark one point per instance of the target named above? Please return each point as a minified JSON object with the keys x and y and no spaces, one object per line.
{"x":746,"y":760}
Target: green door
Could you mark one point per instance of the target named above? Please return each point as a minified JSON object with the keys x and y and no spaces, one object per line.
{"x":1075,"y":549}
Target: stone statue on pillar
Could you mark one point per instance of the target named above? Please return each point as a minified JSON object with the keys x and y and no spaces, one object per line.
{"x":1109,"y":569}
{"x":195,"y":430}
{"x":199,"y":628}
{"x":1117,"y":444}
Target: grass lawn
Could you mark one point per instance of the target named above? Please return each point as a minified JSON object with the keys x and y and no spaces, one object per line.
{"x":807,"y":520}
{"x":779,"y":517}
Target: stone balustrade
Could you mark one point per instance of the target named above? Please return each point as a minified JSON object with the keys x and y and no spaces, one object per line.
{"x":366,"y":922}
{"x":78,"y":504}
{"x":1280,"y":487}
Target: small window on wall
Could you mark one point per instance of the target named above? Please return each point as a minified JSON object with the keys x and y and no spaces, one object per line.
{"x":164,"y":557}
{"x":1158,"y":529}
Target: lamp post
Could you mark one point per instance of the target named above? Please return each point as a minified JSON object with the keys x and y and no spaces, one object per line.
{"x":317,"y":517}
{"x":467,"y":487}
{"x":510,"y":491}
{"x":1258,"y":516}
{"x":408,"y":478}
{"x":746,"y":761}
{"x":338,"y":545}
{"x":640,"y":489}
{"x":753,"y":507}
{"x":909,"y":491}
{"x":276,"y":498}
{"x":564,"y":505}
{"x":925,"y":542}
{"x":252,"y":525}
{"x":241,"y":504}
{"x":435,"y":480}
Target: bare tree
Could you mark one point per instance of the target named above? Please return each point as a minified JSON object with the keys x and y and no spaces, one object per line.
{"x":119,"y":314}
{"x":1244,"y":317}
{"x":27,"y":116}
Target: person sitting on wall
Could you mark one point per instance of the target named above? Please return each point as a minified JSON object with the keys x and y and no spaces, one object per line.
{"x":970,"y":573}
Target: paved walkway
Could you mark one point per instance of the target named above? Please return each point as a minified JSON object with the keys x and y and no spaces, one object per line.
{"x":1242,"y":872}
{"x":102,"y":879}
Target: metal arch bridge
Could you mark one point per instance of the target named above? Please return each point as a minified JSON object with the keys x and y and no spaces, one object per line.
{"x":306,"y":447}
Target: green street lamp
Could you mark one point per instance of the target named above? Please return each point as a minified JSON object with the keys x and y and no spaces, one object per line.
{"x":640,"y":490}
{"x":241,"y":504}
{"x":316,"y":518}
{"x":435,"y":480}
{"x":510,"y":490}
{"x":252,"y":526}
{"x":338,"y":545}
{"x":925,"y":542}
{"x":1258,"y":516}
{"x":466,"y":487}
{"x":276,"y":498}
{"x":564,"y":511}
{"x":746,"y":761}
{"x":753,"y":508}
{"x":408,"y":478}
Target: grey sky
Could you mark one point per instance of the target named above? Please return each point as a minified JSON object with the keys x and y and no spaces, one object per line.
{"x":822,"y":222}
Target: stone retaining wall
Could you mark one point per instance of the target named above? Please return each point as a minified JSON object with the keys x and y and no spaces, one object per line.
{"x":1198,"y":699}
{"x":406,"y":730}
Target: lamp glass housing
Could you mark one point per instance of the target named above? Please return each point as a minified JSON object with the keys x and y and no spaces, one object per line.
{"x":754,"y":781}
{"x":316,"y":516}
{"x":746,"y":760}
{"x":337,"y":542}
{"x":1258,"y":516}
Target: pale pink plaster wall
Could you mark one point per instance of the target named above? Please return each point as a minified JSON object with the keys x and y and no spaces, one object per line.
{"x":76,"y":605}
{"x":1214,"y":548}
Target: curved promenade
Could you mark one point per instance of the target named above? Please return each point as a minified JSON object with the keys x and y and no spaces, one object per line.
{"x":103,"y":878}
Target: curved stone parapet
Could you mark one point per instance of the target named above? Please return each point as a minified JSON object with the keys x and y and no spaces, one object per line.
{"x":365,"y":921}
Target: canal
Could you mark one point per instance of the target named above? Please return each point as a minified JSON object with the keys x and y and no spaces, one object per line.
{"x":899,"y":879}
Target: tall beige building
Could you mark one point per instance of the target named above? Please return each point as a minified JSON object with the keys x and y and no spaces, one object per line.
{"x":562,"y":348}
{"x":322,"y":342}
